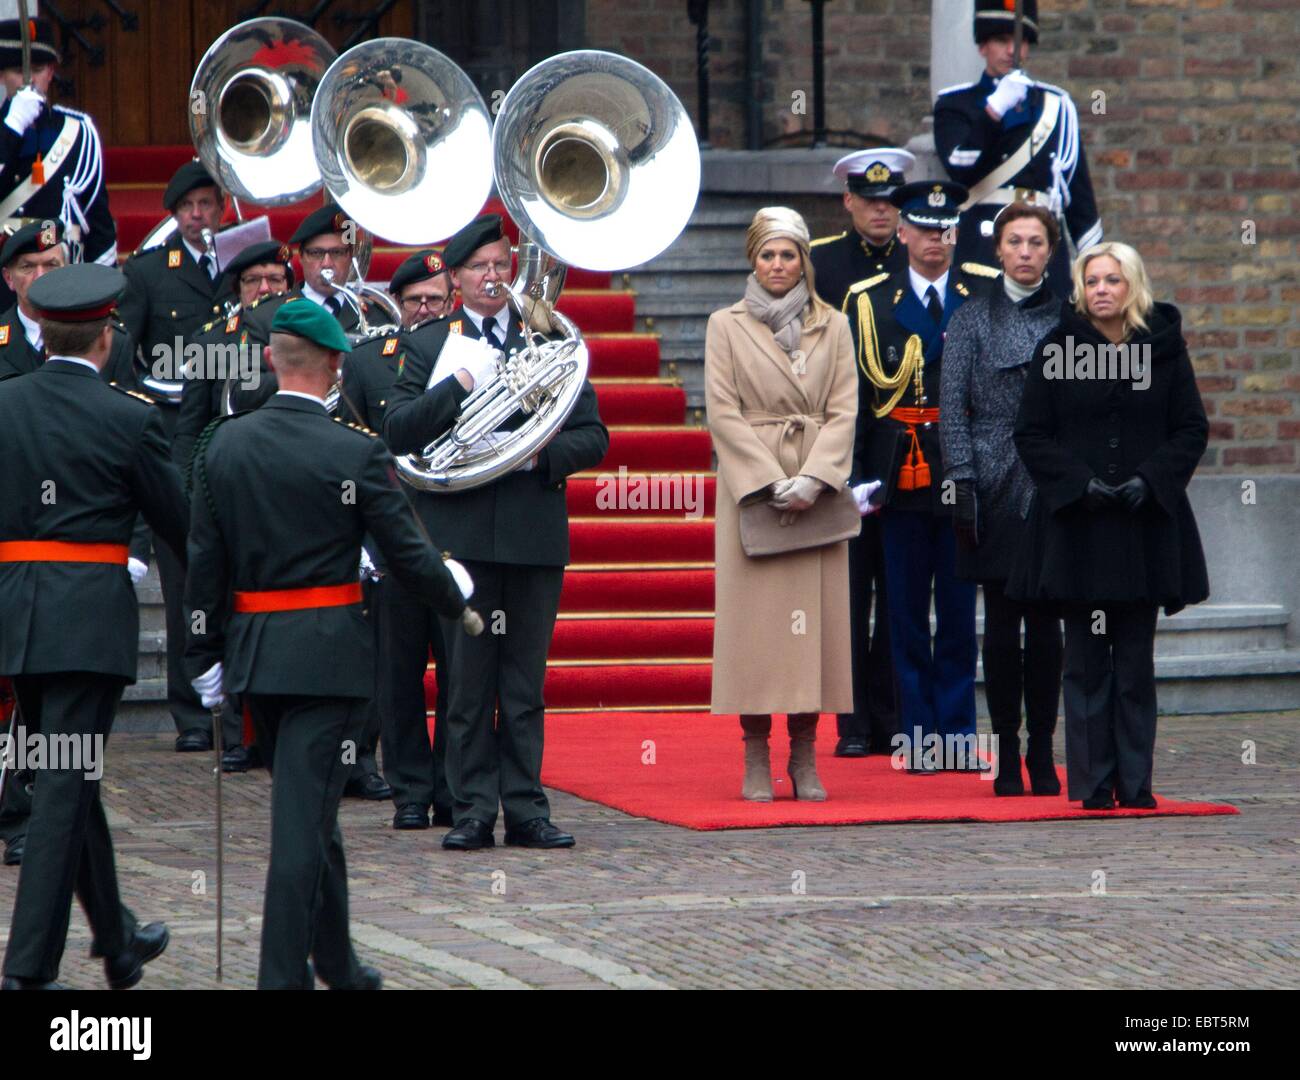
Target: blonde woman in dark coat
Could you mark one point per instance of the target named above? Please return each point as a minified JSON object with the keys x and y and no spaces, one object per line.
{"x":1111,"y":428}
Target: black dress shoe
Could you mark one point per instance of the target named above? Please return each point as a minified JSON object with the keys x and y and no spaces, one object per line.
{"x":126,"y":968}
{"x":14,"y":849}
{"x":470,"y":835}
{"x":411,"y":816}
{"x":538,"y":833}
{"x":1142,"y":802}
{"x":851,"y":746}
{"x":443,"y":818}
{"x":368,"y":978}
{"x":237,"y":759}
{"x":371,"y":786}
{"x":13,"y":982}
{"x":1099,"y":802}
{"x":193,"y":741}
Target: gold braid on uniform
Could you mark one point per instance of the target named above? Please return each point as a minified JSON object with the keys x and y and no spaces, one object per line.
{"x":869,"y":359}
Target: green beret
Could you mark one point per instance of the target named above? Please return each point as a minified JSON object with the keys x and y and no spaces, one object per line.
{"x":189,"y":176}
{"x":484,"y":229}
{"x":304,"y":319}
{"x":328,"y":219}
{"x":33,"y":237}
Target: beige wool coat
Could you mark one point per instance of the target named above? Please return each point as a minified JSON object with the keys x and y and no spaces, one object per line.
{"x":781,"y":633}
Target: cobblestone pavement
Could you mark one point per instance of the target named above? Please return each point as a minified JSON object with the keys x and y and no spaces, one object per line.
{"x":1189,"y":902}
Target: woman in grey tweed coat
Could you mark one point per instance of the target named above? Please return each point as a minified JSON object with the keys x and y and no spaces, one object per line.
{"x":986,"y":357}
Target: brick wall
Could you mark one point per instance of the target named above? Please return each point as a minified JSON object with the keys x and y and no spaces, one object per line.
{"x":1196,"y":146}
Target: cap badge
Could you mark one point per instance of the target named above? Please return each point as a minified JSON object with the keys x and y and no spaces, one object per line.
{"x":936,"y":196}
{"x":878,"y":174}
{"x":432,"y":263}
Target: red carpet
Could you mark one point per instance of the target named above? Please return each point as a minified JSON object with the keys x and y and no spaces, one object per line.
{"x":695,"y":779}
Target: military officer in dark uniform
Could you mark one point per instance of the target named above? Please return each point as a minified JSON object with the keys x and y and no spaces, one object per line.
{"x":35,"y":250}
{"x":51,"y":161}
{"x":870,"y":245}
{"x":898,"y":323}
{"x":869,"y":248}
{"x":70,"y":632}
{"x":1008,"y":138}
{"x":282,"y":498}
{"x":326,"y":240}
{"x":408,"y":630}
{"x":173,"y":290}
{"x":513,"y":534}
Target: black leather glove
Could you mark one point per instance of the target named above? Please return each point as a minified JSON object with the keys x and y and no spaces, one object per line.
{"x":1098,"y":495}
{"x":965,"y":513}
{"x":1133,"y":493}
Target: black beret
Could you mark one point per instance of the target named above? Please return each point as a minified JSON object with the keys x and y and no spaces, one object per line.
{"x":419,"y":267}
{"x":266,"y":251}
{"x":484,"y":229}
{"x":328,"y":219}
{"x":44,"y":50}
{"x":996,"y":17}
{"x":34,"y":236}
{"x":189,"y":176}
{"x":81,"y":292}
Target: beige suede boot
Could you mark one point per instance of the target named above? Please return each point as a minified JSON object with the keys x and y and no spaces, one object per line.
{"x":757,"y":785}
{"x":803,"y":764}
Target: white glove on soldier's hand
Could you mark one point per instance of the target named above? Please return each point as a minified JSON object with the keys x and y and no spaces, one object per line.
{"x":799,"y":494}
{"x":366,"y":570}
{"x":1010,"y":92}
{"x":24,"y":107}
{"x":463,"y":581}
{"x":471,"y":622}
{"x":481,"y":364}
{"x":862,"y":496}
{"x":137,"y":570}
{"x":208,"y":687}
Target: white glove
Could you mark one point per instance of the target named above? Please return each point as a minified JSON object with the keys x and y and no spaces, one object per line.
{"x":24,"y":107}
{"x":471,"y":622}
{"x":136,"y":569}
{"x":367,"y":570}
{"x":862,"y":496}
{"x":208,"y":687}
{"x":461,"y":576}
{"x":1010,"y":92}
{"x":798,"y":494}
{"x":481,"y":363}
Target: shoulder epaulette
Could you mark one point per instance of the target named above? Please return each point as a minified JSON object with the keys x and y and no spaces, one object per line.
{"x":829,"y":239}
{"x":980,"y":269}
{"x":208,"y":325}
{"x":868,"y":283}
{"x":954,"y":88}
{"x":356,"y":427}
{"x":133,"y":393}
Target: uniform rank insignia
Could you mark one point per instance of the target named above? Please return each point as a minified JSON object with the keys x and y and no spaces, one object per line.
{"x":4,"y":335}
{"x":961,"y":288}
{"x":401,"y":363}
{"x":390,"y":346}
{"x":232,"y":324}
{"x":173,"y":259}
{"x":458,"y":327}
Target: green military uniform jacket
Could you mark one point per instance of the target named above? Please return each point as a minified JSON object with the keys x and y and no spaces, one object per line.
{"x":104,"y":451}
{"x":282,"y":498}
{"x":17,"y":357}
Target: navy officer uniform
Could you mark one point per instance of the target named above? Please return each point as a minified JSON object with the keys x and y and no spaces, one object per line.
{"x":1032,"y":154}
{"x":70,"y":632}
{"x":898,"y":323}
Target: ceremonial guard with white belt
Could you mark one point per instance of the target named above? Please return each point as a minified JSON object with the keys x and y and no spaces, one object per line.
{"x":513,"y":535}
{"x":408,"y":630}
{"x":81,"y":460}
{"x":51,"y":160}
{"x":898,"y":323}
{"x":283,"y":497}
{"x":1009,"y":138}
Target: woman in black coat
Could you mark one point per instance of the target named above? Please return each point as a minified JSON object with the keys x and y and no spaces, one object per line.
{"x":986,"y":356}
{"x":1111,"y":428}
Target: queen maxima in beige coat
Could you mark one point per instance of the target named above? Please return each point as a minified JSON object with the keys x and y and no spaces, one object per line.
{"x":781,"y":391}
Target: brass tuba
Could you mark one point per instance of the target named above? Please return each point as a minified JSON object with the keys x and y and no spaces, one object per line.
{"x":597,"y":162}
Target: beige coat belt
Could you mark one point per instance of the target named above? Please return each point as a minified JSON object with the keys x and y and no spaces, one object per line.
{"x":790,"y":456}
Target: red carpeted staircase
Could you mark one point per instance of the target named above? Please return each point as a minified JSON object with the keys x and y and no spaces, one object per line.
{"x":636,"y":617}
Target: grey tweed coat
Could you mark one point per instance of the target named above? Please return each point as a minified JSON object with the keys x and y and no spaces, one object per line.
{"x":986,"y":357}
